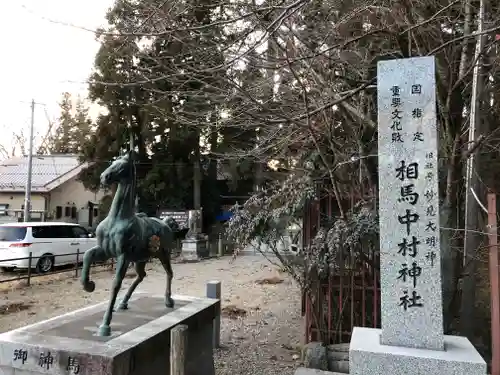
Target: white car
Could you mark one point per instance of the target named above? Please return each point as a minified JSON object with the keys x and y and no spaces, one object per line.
{"x":50,"y":244}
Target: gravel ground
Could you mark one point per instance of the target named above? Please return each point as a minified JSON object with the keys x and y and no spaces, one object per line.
{"x":265,"y":340}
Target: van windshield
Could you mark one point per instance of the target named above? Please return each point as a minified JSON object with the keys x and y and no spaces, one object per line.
{"x":12,"y":234}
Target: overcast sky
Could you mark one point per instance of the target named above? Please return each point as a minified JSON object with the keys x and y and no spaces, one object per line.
{"x":42,"y":59}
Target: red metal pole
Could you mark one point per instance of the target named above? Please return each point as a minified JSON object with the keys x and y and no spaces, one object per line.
{"x":495,"y":284}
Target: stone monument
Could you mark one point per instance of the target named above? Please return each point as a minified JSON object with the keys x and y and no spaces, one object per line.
{"x":411,"y":340}
{"x":194,"y":245}
{"x":140,"y":344}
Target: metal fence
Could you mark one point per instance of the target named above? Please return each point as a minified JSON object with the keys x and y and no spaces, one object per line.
{"x":350,"y":296}
{"x":216,"y":246}
{"x":30,"y":273}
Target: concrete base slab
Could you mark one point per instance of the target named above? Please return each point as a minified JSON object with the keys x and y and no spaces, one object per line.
{"x":368,"y":357}
{"x":139,"y":344}
{"x":141,"y":311}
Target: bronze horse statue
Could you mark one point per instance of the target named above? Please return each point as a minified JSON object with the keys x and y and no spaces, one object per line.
{"x":128,"y":237}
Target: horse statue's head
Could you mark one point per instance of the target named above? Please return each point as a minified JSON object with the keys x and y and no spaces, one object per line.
{"x":172,"y":224}
{"x":121,"y":170}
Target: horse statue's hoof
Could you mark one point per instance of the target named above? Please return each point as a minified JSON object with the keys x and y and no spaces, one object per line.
{"x":123,"y":306}
{"x":169,"y":302}
{"x":89,"y":286}
{"x":104,"y":330}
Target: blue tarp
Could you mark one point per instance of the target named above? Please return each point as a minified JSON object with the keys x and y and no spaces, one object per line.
{"x":224,"y":216}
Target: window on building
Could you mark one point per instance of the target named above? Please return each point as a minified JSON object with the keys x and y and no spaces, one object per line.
{"x":58,"y":212}
{"x":73,"y":212}
{"x":67,"y":211}
{"x":3,"y":209}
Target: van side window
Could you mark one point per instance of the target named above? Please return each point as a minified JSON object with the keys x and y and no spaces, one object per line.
{"x":64,"y":231}
{"x":52,"y":231}
{"x":44,"y":232}
{"x":79,"y":232}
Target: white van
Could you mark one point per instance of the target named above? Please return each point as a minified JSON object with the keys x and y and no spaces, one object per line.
{"x":50,"y":244}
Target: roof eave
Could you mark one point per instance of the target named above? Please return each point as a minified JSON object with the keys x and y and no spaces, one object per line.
{"x":65,"y":177}
{"x":50,"y":185}
{"x":22,"y":189}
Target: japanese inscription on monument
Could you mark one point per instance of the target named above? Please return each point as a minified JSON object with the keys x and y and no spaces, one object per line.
{"x":73,"y":365}
{"x":46,"y":361}
{"x":409,"y":206}
{"x":21,"y":355}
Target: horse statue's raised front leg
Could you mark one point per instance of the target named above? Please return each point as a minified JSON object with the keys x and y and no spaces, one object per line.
{"x":140,"y":270}
{"x":94,"y":254}
{"x":121,"y":269}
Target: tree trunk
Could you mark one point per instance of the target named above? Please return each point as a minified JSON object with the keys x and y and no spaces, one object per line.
{"x":472,"y":238}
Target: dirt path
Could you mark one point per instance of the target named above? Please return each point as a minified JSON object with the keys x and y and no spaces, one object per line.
{"x":262,"y":337}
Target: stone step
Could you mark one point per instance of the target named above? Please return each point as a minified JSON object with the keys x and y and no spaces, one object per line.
{"x":312,"y":371}
{"x":338,"y":366}
{"x":334,"y":358}
{"x":338,"y":356}
{"x":343,"y":348}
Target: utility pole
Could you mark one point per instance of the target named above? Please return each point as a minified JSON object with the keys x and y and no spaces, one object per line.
{"x":27,"y":197}
{"x":471,"y":239}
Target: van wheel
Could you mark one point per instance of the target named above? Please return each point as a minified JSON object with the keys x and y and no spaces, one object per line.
{"x":45,"y":264}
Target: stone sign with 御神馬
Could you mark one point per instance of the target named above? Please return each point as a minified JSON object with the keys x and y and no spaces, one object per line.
{"x":140,"y":344}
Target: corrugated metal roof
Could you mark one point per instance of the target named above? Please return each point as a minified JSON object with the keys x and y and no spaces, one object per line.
{"x":45,"y":168}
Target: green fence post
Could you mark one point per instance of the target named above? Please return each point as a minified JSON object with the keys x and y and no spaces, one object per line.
{"x":30,"y":262}
{"x":77,"y":262}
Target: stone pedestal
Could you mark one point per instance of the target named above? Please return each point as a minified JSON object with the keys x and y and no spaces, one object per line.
{"x":194,"y":249}
{"x":139,"y":344}
{"x":368,"y":357}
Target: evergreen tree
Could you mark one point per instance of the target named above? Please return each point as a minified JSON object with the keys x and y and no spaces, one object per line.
{"x":166,"y":116}
{"x":82,"y":129}
{"x":73,"y":129}
{"x":62,"y":142}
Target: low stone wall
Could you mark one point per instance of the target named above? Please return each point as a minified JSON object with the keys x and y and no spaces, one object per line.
{"x":333,"y":358}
